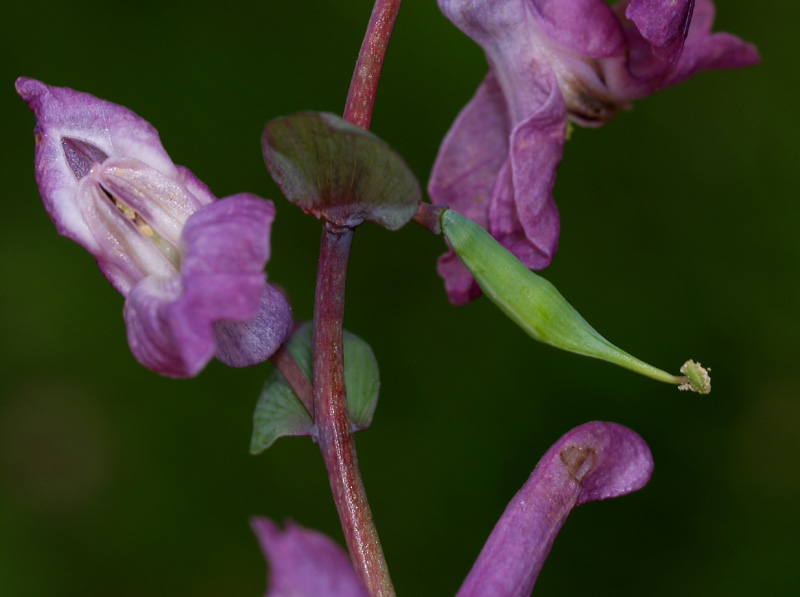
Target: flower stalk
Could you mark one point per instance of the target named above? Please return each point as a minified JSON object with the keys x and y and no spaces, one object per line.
{"x":335,"y":434}
{"x":364,"y":85}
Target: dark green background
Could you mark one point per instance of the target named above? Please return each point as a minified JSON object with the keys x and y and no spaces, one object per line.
{"x":680,"y":240}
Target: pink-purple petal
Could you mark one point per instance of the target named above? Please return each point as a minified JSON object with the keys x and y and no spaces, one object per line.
{"x":705,"y":50}
{"x":595,"y":461}
{"x":194,"y":185}
{"x":587,"y":27}
{"x":176,"y":325}
{"x":465,"y":173}
{"x":184,"y":261}
{"x":551,"y":60}
{"x":254,"y":340}
{"x":663,"y":23}
{"x":164,"y":335}
{"x":124,"y":255}
{"x":115,"y":129}
{"x":537,"y":145}
{"x":160,"y":200}
{"x":485,"y":20}
{"x":231,"y":235}
{"x":305,"y":563}
{"x":65,"y":113}
{"x":472,"y":153}
{"x":227,"y":247}
{"x":459,"y":284}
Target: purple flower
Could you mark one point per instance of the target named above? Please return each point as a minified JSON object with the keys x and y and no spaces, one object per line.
{"x":553,"y":60}
{"x":305,"y":563}
{"x":595,"y":461}
{"x":191,"y":268}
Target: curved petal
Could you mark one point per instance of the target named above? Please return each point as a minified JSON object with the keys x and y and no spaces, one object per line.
{"x":705,"y":50}
{"x":465,"y":173}
{"x":195,"y":186}
{"x":305,"y":563}
{"x":485,"y":20}
{"x":663,"y":23}
{"x":163,"y":203}
{"x":63,"y":114}
{"x":646,"y":71}
{"x":595,"y":461}
{"x":231,"y":236}
{"x":523,"y":215}
{"x":472,"y":153}
{"x":459,"y":284}
{"x":124,"y":254}
{"x":247,"y":343}
{"x":163,"y":335}
{"x":227,"y":247}
{"x":171,"y":321}
{"x":587,"y":27}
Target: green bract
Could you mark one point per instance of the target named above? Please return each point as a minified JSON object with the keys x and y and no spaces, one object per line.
{"x":339,"y":172}
{"x":279,"y":411}
{"x":530,"y":300}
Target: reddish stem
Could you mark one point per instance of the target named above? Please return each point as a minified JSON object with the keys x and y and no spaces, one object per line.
{"x":430,"y":216}
{"x":364,"y":84}
{"x":335,"y":433}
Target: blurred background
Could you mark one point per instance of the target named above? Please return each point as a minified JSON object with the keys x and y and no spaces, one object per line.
{"x":679,"y":240}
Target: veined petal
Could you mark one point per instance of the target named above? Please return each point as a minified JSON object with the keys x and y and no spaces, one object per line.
{"x":227,"y":246}
{"x":465,"y":172}
{"x":195,"y":186}
{"x":161,"y":202}
{"x":305,"y":563}
{"x":63,"y":114}
{"x":163,"y":332}
{"x":171,"y":322}
{"x":124,"y":254}
{"x":663,"y":23}
{"x":484,"y":20}
{"x":646,"y":70}
{"x":231,"y":235}
{"x":587,"y":27}
{"x":252,"y":341}
{"x":523,"y":215}
{"x":551,"y":60}
{"x":705,"y":50}
{"x":595,"y":461}
{"x":184,"y":261}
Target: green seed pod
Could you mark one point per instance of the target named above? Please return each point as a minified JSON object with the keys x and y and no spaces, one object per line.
{"x":533,"y":302}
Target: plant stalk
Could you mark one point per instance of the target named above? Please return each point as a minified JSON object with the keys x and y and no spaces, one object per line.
{"x":335,"y":434}
{"x":364,"y":84}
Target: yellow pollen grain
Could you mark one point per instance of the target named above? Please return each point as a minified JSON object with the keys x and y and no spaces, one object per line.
{"x":146,"y":230}
{"x":126,"y":211}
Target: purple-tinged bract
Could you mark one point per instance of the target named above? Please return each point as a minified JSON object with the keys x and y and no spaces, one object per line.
{"x":190,"y":267}
{"x":550,"y":61}
{"x":595,"y":461}
{"x":305,"y":563}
